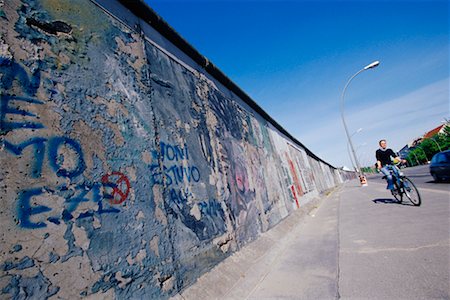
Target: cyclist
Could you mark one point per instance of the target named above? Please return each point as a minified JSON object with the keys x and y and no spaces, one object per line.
{"x":385,"y":159}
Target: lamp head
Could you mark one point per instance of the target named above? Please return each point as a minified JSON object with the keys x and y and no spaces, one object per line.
{"x":372,"y":65}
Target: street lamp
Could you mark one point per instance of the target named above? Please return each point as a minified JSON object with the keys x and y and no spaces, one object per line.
{"x":348,"y":150}
{"x":357,"y":131}
{"x":351,"y":158}
{"x":362,"y":178}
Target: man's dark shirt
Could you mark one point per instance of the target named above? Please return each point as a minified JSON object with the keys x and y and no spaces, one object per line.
{"x":385,"y":156}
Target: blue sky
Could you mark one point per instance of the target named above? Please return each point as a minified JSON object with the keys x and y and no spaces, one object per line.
{"x":295,"y":57}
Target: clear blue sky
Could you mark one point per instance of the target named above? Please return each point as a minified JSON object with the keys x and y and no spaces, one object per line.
{"x":295,"y":57}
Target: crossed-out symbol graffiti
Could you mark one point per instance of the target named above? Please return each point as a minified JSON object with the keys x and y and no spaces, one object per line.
{"x":117,"y":187}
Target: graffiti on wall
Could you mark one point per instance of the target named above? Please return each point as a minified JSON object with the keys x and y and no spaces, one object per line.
{"x":180,"y":172}
{"x":62,"y":154}
{"x":179,"y":175}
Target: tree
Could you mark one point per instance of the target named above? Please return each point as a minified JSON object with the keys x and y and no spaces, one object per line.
{"x":430,"y":147}
{"x":444,"y":138}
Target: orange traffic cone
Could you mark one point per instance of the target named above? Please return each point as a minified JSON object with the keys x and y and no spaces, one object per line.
{"x":363,"y":180}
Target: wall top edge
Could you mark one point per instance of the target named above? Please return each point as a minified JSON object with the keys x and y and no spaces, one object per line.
{"x":140,"y":9}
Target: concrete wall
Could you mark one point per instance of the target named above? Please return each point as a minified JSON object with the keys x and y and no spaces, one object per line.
{"x":127,"y":170}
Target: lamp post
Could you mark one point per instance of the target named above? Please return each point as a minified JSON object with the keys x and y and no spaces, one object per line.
{"x":351,"y":158}
{"x":348,"y":150}
{"x":362,"y":178}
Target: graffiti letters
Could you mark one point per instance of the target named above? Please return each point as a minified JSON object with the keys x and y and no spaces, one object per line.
{"x":174,"y":152}
{"x":205,"y":217}
{"x":55,"y":156}
{"x":114,"y":187}
{"x":211,"y":208}
{"x":174,"y":170}
{"x":7,"y":110}
{"x":62,"y":155}
{"x":180,"y":196}
{"x":175,"y":174}
{"x":74,"y":196}
{"x":10,"y":102}
{"x":25,"y":210}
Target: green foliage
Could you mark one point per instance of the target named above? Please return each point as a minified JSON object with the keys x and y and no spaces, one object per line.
{"x":429,"y":147}
{"x":447,"y":130}
{"x":368,"y":170}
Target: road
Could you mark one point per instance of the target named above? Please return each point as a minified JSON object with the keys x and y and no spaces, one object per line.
{"x":421,"y":177}
{"x":395,"y":251}
{"x":359,"y":243}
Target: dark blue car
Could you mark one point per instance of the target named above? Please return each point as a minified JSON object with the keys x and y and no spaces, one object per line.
{"x":440,"y":166}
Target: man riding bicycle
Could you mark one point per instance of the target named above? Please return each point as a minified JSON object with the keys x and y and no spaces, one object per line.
{"x":385,"y":164}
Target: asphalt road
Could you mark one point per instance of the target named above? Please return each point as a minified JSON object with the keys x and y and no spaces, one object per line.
{"x":394,"y":251}
{"x":420,"y":176}
{"x":357,"y":243}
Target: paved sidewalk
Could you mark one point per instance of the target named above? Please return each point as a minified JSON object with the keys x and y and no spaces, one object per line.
{"x":297,"y":259}
{"x":357,"y":243}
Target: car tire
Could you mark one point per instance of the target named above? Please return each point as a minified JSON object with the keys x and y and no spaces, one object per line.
{"x":435,"y":177}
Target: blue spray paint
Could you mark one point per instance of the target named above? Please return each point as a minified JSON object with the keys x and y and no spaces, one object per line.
{"x":39,"y":151}
{"x":83,"y":190}
{"x":56,"y":160}
{"x":37,"y":287}
{"x":17,"y":248}
{"x":6,"y":109}
{"x":82,"y":193}
{"x":23,"y":264}
{"x":174,"y":152}
{"x":25,"y":211}
{"x":175,"y":174}
{"x":11,"y":72}
{"x":70,"y":238}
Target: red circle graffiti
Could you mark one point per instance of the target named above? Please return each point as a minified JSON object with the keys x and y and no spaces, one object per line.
{"x":120,"y":186}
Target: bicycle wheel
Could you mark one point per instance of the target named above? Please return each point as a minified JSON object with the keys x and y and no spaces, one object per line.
{"x":412,"y":192}
{"x":397,"y":192}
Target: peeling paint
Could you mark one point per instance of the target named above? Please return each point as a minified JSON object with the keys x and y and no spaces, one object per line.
{"x":125,"y":173}
{"x":154,"y":245}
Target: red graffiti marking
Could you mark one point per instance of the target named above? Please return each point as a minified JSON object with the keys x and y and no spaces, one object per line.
{"x":120,"y":187}
{"x":295,"y":195}
{"x":295,"y":176}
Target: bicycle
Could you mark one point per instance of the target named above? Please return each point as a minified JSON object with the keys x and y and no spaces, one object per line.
{"x":404,"y":186}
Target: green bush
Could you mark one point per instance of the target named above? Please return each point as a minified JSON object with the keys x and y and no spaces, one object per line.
{"x":429,"y":147}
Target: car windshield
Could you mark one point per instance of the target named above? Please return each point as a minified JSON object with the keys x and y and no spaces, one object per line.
{"x":447,"y":156}
{"x":443,"y":157}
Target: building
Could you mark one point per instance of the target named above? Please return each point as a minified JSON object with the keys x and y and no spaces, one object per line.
{"x":403,"y":153}
{"x":427,"y":135}
{"x":433,"y":132}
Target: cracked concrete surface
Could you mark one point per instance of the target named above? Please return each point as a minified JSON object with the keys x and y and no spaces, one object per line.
{"x":125,"y":170}
{"x":350,"y":247}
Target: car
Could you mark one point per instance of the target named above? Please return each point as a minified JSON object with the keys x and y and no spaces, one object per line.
{"x":440,"y":166}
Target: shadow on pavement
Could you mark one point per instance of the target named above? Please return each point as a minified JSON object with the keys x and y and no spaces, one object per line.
{"x":392,"y":201}
{"x":439,"y":182}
